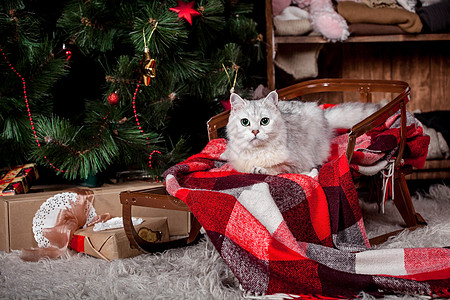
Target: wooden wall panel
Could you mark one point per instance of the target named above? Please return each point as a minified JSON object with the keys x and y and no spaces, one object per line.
{"x":366,"y":61}
{"x":440,"y":76}
{"x":425,"y":65}
{"x":411,"y":63}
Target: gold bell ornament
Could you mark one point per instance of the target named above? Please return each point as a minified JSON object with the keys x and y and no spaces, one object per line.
{"x":148,"y":63}
{"x":148,"y":67}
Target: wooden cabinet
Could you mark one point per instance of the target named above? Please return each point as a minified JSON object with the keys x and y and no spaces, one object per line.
{"x":422,"y":60}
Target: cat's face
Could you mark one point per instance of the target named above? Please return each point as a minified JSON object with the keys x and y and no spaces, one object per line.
{"x":254,"y":122}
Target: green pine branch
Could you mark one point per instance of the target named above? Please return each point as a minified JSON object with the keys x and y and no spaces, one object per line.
{"x":83,"y":151}
{"x":160,"y":27}
{"x":95,"y":25}
{"x":195,"y":66}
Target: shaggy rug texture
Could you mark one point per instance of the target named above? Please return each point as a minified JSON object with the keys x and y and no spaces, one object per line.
{"x":195,"y":272}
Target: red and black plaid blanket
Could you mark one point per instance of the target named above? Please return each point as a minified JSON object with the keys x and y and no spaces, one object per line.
{"x":295,"y":234}
{"x":376,"y":148}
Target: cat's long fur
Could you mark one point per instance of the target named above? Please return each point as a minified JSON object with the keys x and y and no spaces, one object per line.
{"x":296,"y":139}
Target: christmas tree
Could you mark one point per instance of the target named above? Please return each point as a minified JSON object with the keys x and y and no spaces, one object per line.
{"x":105,"y":85}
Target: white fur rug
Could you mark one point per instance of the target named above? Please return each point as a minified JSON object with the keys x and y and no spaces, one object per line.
{"x":195,"y":272}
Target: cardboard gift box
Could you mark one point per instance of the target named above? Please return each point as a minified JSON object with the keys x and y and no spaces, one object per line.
{"x":17,"y":212}
{"x":18,"y":179}
{"x":112,"y":244}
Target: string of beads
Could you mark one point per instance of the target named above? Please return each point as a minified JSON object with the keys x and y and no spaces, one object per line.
{"x":27,"y":104}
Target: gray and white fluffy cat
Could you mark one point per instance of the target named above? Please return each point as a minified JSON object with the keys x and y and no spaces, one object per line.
{"x":268,"y":136}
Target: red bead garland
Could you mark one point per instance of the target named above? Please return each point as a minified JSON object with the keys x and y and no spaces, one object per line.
{"x":139,"y":125}
{"x":32,"y":123}
{"x":28,"y":109}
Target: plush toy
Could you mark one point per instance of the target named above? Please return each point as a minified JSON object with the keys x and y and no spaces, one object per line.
{"x":324,"y":18}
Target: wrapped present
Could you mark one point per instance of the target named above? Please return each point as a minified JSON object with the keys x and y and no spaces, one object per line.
{"x":112,"y":244}
{"x":17,"y":212}
{"x":13,"y":187}
{"x":18,"y":179}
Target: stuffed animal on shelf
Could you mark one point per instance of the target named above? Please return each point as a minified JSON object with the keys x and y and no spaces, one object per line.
{"x":324,"y":17}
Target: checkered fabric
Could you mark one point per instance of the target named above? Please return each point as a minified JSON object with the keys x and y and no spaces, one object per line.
{"x":375,"y":148}
{"x":295,"y":234}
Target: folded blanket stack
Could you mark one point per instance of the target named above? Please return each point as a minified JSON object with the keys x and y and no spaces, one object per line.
{"x":298,"y":60}
{"x":395,"y":16}
{"x":360,"y":13}
{"x":435,"y":17}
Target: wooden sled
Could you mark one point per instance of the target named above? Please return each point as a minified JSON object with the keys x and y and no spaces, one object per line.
{"x":159,"y":198}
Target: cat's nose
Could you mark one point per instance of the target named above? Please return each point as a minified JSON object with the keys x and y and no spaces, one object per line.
{"x":255,"y":132}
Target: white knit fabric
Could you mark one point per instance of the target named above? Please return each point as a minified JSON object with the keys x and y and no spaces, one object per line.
{"x":116,"y":222}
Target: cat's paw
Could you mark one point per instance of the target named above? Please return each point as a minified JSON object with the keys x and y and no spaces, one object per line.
{"x":313,"y":173}
{"x":259,"y":170}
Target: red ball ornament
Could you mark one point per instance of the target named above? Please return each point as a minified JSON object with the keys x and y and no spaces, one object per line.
{"x":113,"y":98}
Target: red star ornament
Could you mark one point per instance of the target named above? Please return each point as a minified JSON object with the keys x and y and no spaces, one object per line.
{"x":185,"y":10}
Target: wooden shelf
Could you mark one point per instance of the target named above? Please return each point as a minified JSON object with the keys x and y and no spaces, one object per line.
{"x":365,"y":39}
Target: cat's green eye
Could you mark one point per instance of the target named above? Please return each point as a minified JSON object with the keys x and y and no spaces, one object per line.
{"x":245,"y":122}
{"x":265,"y":121}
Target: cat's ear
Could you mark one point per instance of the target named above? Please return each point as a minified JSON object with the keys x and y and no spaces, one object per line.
{"x":236,"y":101}
{"x":271,"y":99}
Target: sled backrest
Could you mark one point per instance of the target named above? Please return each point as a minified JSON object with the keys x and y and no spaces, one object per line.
{"x":399,"y":90}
